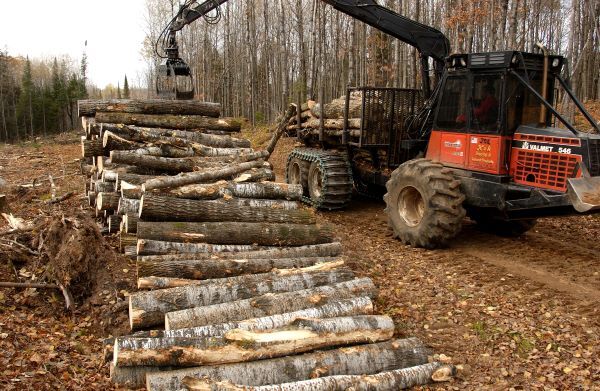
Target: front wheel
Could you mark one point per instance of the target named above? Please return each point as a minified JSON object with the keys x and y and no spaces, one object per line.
{"x":424,"y":204}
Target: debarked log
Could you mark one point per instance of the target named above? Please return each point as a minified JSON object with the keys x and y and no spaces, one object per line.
{"x":149,"y":308}
{"x":204,"y":269}
{"x":187,"y":122}
{"x":269,"y":304}
{"x":242,"y":345}
{"x":398,"y":379}
{"x":355,"y":360}
{"x":89,"y":107}
{"x":154,"y":207}
{"x":262,"y":234}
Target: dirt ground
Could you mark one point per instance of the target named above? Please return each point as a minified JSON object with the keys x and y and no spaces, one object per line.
{"x":516,"y":313}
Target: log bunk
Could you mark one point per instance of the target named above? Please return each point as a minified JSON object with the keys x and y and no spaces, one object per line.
{"x":239,"y":287}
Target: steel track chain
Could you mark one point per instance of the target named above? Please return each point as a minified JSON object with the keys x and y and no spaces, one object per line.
{"x":336,"y":172}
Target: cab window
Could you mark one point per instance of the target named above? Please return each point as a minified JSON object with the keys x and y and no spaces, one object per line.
{"x":485,"y":103}
{"x":452,"y":104}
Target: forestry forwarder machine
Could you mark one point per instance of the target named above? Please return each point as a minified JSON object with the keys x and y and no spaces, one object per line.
{"x":480,"y":138}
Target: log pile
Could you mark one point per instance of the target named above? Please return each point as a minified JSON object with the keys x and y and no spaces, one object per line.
{"x":331,"y":116}
{"x":239,"y":285}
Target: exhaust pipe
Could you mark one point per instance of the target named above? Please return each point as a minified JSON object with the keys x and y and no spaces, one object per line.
{"x":542,"y":119}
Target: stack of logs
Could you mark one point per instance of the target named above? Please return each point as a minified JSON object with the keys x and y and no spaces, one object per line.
{"x":333,"y":118}
{"x":238,"y":283}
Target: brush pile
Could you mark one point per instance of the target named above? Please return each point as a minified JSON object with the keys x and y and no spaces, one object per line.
{"x":239,"y":286}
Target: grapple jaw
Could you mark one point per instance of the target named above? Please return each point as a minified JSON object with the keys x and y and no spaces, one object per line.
{"x":174,"y":80}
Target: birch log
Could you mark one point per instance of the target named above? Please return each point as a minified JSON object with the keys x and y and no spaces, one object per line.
{"x":204,"y":269}
{"x":316,"y":250}
{"x":355,"y":360}
{"x":262,"y":234}
{"x":200,"y":176}
{"x":263,"y":190}
{"x":128,"y":206}
{"x":149,"y":308}
{"x":188,"y":122}
{"x":255,"y":175}
{"x":351,"y":307}
{"x":242,"y":345}
{"x":269,"y":304}
{"x":398,"y":379}
{"x":154,"y":247}
{"x":160,"y":208}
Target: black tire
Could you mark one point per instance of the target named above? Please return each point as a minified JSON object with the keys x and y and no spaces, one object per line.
{"x":500,"y":227}
{"x":424,"y":204}
{"x":297,"y":173}
{"x":315,"y":181}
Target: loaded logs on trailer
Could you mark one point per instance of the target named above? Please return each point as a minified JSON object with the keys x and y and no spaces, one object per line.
{"x":233,"y":270}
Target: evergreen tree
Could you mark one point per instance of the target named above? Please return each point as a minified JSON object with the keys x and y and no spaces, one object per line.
{"x":126,"y":93}
{"x":83,"y":94}
{"x":25,"y":104}
{"x":119,"y":91}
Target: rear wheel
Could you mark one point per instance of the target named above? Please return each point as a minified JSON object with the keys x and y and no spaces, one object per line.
{"x":297,"y":173}
{"x":424,"y":204}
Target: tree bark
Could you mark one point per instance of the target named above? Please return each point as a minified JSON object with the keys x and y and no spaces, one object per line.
{"x":126,"y":240}
{"x":350,"y":307}
{"x":92,"y":148}
{"x":166,"y":150}
{"x":336,"y":109}
{"x":104,"y":187}
{"x":128,"y":205}
{"x":334,"y":124}
{"x":315,"y":251}
{"x":200,"y":176}
{"x":130,"y":191}
{"x":112,"y":142}
{"x":281,"y":128}
{"x":398,"y":379}
{"x":264,"y":190}
{"x":255,"y":175}
{"x":89,"y":108}
{"x":269,"y":304}
{"x":242,"y":345}
{"x":262,"y":234}
{"x":107,"y":201}
{"x":191,"y":122}
{"x":130,"y":222}
{"x":159,"y":208}
{"x":153,"y":247}
{"x":358,"y":360}
{"x":153,"y":135}
{"x":201,"y":269}
{"x":169,"y":165}
{"x":149,"y":308}
{"x":4,"y":206}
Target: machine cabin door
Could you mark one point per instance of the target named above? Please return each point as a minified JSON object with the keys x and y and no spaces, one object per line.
{"x":467,"y":132}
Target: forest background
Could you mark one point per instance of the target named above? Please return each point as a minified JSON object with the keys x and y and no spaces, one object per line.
{"x":255,"y":56}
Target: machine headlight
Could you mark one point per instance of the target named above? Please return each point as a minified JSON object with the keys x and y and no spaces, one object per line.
{"x":555,"y":62}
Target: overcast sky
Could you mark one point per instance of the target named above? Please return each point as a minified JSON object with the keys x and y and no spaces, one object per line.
{"x":114,"y":30}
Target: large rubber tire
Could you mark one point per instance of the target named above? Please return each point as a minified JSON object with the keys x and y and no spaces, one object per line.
{"x":315,"y":181}
{"x":424,"y":204}
{"x":297,"y":173}
{"x":506,"y":228}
